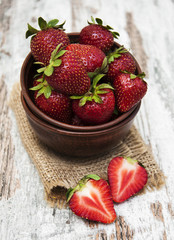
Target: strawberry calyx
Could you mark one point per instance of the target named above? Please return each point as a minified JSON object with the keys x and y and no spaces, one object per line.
{"x":94,"y":91}
{"x":116,"y":54}
{"x":133,"y":76}
{"x":54,"y":61}
{"x":80,"y":185}
{"x":100,"y":23}
{"x":101,"y":70}
{"x":42,"y":87}
{"x":43,"y":26}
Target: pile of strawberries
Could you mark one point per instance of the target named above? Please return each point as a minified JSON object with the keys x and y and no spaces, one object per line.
{"x":85,"y":83}
{"x":88,"y":83}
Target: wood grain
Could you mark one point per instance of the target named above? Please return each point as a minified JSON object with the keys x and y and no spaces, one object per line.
{"x":147,"y":28}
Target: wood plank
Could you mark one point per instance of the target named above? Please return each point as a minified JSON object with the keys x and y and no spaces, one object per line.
{"x":148,"y":30}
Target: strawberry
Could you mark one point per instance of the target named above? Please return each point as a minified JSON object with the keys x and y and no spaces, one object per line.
{"x":126,"y":177}
{"x":51,"y":102}
{"x":98,"y":35}
{"x":45,"y":41}
{"x":91,"y":56}
{"x":129,"y":90}
{"x":96,"y":106}
{"x":66,"y":73}
{"x":118,"y":60}
{"x":91,"y":199}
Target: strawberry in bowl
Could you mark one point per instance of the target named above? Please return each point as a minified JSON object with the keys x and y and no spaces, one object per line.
{"x":88,"y":77}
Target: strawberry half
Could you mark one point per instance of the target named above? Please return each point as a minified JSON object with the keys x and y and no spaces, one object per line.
{"x":91,"y":199}
{"x":126,"y":178}
{"x":129,"y":90}
{"x":98,"y":35}
{"x":45,"y":41}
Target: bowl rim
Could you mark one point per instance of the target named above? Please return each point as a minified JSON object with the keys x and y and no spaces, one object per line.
{"x":57,"y":123}
{"x":52,"y":128}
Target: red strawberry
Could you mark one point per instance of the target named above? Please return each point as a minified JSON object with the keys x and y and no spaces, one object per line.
{"x":91,"y":56}
{"x":98,"y":35}
{"x":126,"y":177}
{"x":53,"y":103}
{"x":118,"y":60}
{"x":45,"y":41}
{"x":91,"y":199}
{"x":66,"y":73}
{"x":129,"y":90}
{"x":97,"y":106}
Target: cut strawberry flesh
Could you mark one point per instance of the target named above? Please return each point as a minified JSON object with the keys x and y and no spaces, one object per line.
{"x":125,"y":178}
{"x":94,"y":202}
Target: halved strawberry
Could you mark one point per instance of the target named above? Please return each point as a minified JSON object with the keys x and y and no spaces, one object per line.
{"x":91,"y":199}
{"x":126,"y":177}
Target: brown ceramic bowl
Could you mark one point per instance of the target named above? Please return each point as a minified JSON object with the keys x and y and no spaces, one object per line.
{"x":75,"y":143}
{"x":29,"y":70}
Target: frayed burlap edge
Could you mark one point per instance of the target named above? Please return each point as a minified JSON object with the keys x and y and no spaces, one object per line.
{"x":58,"y":173}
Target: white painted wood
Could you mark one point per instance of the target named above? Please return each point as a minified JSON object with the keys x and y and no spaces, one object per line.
{"x":24,"y":213}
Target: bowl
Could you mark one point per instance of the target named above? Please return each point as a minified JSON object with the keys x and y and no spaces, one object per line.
{"x":28,"y":71}
{"x":75,"y":143}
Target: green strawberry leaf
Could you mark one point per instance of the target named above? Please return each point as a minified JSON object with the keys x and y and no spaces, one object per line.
{"x":31,"y":31}
{"x":60,"y":53}
{"x":57,"y":63}
{"x":99,"y":21}
{"x":92,"y":176}
{"x":49,"y":70}
{"x":104,"y":86}
{"x":40,"y":92}
{"x":92,"y":74}
{"x":97,"y":99}
{"x":40,"y":70}
{"x":52,"y":23}
{"x":47,"y":92}
{"x":37,"y":87}
{"x":97,"y":79}
{"x":42,"y":23}
{"x":40,"y":63}
{"x":76,"y":97}
{"x":109,"y":27}
{"x":115,"y":34}
{"x":132,"y":76}
{"x":69,"y":194}
{"x":54,"y":52}
{"x":83,"y":100}
{"x":60,"y":26}
{"x":101,"y":92}
{"x":40,"y":80}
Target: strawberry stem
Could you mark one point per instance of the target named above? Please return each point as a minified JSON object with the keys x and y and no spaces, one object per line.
{"x":80,"y":185}
{"x":43,"y":26}
{"x":100,"y":23}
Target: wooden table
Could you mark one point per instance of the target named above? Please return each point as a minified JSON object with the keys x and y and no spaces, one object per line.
{"x":146,"y":28}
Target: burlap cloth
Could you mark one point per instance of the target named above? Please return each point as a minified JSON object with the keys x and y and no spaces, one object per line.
{"x":58,"y":173}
